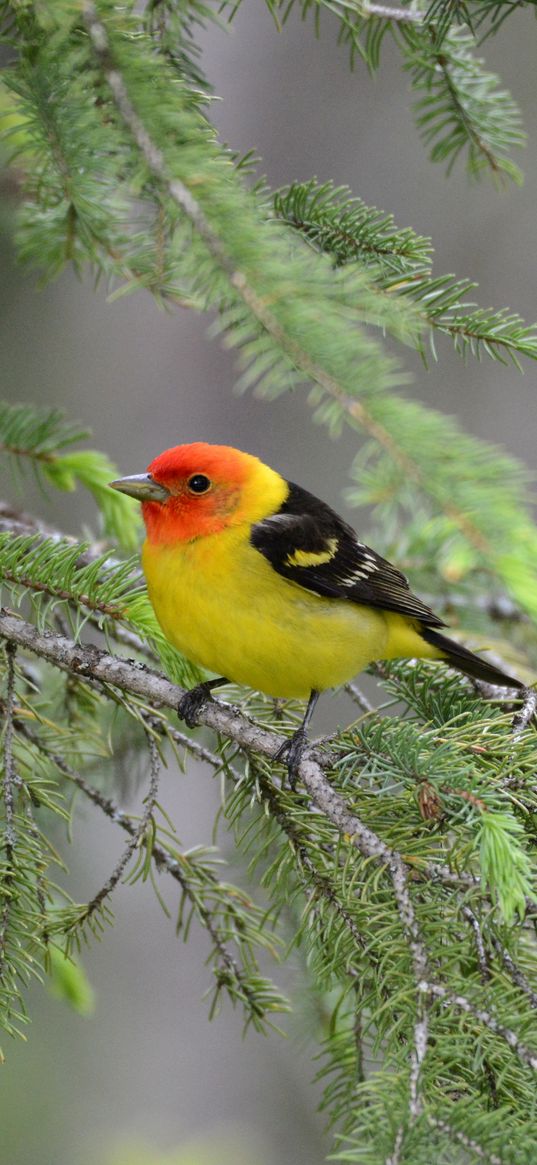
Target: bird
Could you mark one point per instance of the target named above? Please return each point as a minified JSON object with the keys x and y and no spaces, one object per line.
{"x":264,"y":585}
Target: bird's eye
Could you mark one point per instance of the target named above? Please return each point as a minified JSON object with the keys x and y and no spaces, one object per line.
{"x":198,"y":483}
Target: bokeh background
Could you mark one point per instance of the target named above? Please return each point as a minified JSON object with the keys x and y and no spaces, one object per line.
{"x":147,"y":1079}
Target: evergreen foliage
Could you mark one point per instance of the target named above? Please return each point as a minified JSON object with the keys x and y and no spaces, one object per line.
{"x":39,"y":438}
{"x":461,"y":107}
{"x":401,"y":262}
{"x":407,"y":895}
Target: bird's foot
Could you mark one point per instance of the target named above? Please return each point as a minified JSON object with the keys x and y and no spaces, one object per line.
{"x":291,"y":754}
{"x":190,"y":705}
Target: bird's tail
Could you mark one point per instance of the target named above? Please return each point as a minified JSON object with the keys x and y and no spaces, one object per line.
{"x":463,"y":659}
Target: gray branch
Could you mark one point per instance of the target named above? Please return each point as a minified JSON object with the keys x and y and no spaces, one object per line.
{"x":137,"y":835}
{"x":88,"y":661}
{"x":526,"y":1055}
{"x":514,"y":971}
{"x":10,"y":778}
{"x":468,"y":1142}
{"x":160,"y":857}
{"x":400,"y":15}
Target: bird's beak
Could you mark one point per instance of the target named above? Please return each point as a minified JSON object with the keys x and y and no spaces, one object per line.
{"x":142,"y":487}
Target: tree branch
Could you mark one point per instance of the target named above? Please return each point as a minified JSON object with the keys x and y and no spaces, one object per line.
{"x":9,"y":805}
{"x":514,"y":971}
{"x":256,"y":304}
{"x":130,"y":676}
{"x":401,"y":15}
{"x":161,"y":859}
{"x":526,"y":1055}
{"x":461,"y":1138}
{"x":137,"y":838}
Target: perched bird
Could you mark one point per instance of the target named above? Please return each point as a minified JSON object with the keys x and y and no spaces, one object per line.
{"x":257,"y":580}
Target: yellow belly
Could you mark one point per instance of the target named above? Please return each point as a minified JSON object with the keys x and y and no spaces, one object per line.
{"x":248,"y":623}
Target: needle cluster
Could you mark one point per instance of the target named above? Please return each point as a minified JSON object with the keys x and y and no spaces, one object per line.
{"x":399,"y":876}
{"x":397,"y":879}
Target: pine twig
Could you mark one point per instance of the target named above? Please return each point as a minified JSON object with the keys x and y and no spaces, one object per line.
{"x":461,"y":1003}
{"x":526,"y":713}
{"x":90,"y":661}
{"x":401,"y":15}
{"x":288,"y":340}
{"x":467,"y":1142}
{"x":359,"y":698}
{"x":159,"y":856}
{"x":137,"y":836}
{"x":514,"y":971}
{"x":482,"y":957}
{"x":256,"y":304}
{"x":9,"y":804}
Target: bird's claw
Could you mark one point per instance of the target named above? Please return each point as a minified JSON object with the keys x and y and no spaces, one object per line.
{"x":190,"y":705}
{"x":291,"y":754}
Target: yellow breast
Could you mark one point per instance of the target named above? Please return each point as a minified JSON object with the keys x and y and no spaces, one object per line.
{"x":220,"y":602}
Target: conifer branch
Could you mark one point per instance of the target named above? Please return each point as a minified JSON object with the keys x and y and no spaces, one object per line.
{"x":137,"y":837}
{"x":235,"y":977}
{"x":42,"y":438}
{"x":404,"y":15}
{"x":462,"y":107}
{"x":467,"y":1142}
{"x":526,"y":713}
{"x":461,"y":1003}
{"x":9,"y":783}
{"x":482,"y":957}
{"x":515,"y":973}
{"x":347,"y":230}
{"x":62,"y":571}
{"x":90,"y":661}
{"x":186,"y":202}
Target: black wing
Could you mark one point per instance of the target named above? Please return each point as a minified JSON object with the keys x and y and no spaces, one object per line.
{"x":311,"y":545}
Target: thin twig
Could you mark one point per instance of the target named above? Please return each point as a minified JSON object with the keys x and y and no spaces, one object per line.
{"x":522,"y":719}
{"x":482,"y":957}
{"x":9,"y":805}
{"x":137,"y":837}
{"x":468,"y":1142}
{"x":526,"y":1055}
{"x":9,"y":764}
{"x":485,"y":976}
{"x":357,"y":695}
{"x":421,"y":1023}
{"x":513,"y":971}
{"x":130,"y":676}
{"x":160,"y":857}
{"x":257,"y":304}
{"x":395,"y":1155}
{"x":401,"y":15}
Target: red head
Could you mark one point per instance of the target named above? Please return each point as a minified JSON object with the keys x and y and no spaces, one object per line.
{"x":190,"y":491}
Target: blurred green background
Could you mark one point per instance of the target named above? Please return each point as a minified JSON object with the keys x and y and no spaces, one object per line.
{"x":146,"y":1080}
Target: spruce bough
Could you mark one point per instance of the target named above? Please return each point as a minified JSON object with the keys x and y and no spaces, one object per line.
{"x":401,"y":870}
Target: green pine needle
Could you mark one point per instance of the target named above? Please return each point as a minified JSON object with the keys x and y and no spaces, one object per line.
{"x":37,"y":437}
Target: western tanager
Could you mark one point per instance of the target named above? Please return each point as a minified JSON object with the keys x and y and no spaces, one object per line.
{"x":257,"y":580}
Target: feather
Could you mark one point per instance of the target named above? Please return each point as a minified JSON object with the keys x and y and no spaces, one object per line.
{"x":309,"y":544}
